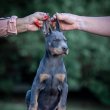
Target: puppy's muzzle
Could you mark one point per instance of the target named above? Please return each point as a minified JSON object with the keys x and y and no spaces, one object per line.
{"x":65,"y":50}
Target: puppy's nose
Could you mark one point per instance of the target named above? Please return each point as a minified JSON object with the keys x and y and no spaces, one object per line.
{"x":65,"y":49}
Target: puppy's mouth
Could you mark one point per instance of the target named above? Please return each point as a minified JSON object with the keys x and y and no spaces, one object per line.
{"x":58,"y":51}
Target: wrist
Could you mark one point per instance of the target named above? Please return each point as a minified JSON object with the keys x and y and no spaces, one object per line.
{"x":11,"y":25}
{"x":20,"y":21}
{"x":80,"y":23}
{"x":21,"y":25}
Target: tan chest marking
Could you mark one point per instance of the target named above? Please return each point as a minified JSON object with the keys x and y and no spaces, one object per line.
{"x":44,"y":76}
{"x":60,"y":77}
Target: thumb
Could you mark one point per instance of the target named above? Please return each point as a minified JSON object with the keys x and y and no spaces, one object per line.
{"x":40,"y":15}
{"x":60,"y":16}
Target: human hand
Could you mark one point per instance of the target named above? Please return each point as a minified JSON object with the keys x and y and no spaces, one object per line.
{"x":28,"y":23}
{"x":96,"y":25}
{"x":67,"y":21}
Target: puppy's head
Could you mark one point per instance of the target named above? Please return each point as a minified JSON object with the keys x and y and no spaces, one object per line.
{"x":56,"y":43}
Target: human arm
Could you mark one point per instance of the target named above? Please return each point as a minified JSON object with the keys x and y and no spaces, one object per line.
{"x":14,"y":25}
{"x":96,"y":25}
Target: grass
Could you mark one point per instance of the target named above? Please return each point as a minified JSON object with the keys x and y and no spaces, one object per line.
{"x":70,"y":106}
{"x":12,"y":106}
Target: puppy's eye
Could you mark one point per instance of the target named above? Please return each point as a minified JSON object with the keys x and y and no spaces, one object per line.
{"x":65,"y":40}
{"x":57,"y":40}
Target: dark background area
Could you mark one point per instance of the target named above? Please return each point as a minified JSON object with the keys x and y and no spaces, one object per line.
{"x":88,"y":63}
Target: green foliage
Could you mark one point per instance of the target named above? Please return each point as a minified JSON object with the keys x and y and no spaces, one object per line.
{"x":89,"y":58}
{"x":70,"y":106}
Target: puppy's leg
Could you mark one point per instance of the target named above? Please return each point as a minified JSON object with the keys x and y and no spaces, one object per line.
{"x":34,"y":96}
{"x":62,"y":102}
{"x":36,"y":88}
{"x":27,"y":98}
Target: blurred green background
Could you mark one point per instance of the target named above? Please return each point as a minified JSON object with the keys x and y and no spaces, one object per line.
{"x":88,"y":63}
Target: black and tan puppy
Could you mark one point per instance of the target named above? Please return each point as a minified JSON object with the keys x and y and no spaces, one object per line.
{"x":49,"y":89}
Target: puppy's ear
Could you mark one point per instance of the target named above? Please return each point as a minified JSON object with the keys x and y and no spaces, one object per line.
{"x":46,"y":28}
{"x":57,"y":25}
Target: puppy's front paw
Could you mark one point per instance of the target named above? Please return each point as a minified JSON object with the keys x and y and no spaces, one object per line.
{"x":35,"y":107}
{"x":61,"y":108}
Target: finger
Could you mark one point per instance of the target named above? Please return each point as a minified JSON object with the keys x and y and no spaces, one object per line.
{"x":65,"y":26}
{"x":53,"y":24}
{"x":60,"y":16}
{"x":38,"y":23}
{"x":66,"y":17}
{"x":56,"y":16}
{"x":40,"y":15}
{"x":32,"y":28}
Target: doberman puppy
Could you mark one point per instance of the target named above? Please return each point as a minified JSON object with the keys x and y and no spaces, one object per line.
{"x":49,"y":89}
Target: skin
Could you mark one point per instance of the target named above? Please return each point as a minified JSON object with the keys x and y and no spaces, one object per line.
{"x":95,"y":25}
{"x":27,"y":23}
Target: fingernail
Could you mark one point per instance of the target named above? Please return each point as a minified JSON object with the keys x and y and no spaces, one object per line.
{"x":37,"y":23}
{"x":52,"y":20}
{"x":46,"y":17}
{"x":57,"y":13}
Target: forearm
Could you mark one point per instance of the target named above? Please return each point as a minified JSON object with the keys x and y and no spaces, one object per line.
{"x":21,"y":25}
{"x":10,"y":27}
{"x":96,"y":25}
{"x":3,"y":27}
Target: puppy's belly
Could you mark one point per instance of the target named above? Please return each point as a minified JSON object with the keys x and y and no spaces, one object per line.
{"x":48,"y":99}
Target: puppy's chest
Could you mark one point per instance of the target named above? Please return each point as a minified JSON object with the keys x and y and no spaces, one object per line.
{"x":53,"y":74}
{"x":52,"y":78}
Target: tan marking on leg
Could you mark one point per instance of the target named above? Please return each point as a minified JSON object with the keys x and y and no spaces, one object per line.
{"x":60,"y":108}
{"x":35,"y":107}
{"x":60,"y":77}
{"x":44,"y":76}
